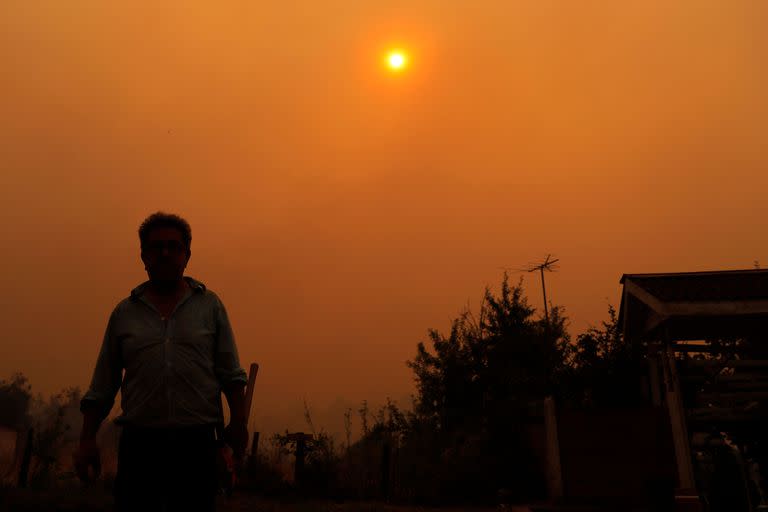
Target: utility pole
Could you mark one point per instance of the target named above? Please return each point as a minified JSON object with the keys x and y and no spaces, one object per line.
{"x":549,"y":266}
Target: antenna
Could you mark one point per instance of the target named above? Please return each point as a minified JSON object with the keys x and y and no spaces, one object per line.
{"x":549,"y":266}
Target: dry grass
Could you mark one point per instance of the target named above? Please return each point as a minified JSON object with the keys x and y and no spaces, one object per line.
{"x":59,"y":500}
{"x":98,"y":500}
{"x":245,"y":503}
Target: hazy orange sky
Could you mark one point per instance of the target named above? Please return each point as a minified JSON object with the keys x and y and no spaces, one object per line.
{"x":339,"y":211}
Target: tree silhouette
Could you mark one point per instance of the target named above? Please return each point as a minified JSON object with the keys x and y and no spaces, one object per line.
{"x":475,"y":388}
{"x":491,"y":364}
{"x":603,"y":368}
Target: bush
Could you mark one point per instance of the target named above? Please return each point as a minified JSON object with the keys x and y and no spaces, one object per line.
{"x":53,"y":423}
{"x":15,"y":397}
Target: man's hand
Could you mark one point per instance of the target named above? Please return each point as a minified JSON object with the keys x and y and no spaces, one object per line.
{"x":236,"y":436}
{"x":86,"y":456}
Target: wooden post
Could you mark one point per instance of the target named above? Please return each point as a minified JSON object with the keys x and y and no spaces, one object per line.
{"x":254,"y":446}
{"x":25,"y":461}
{"x":677,"y":419}
{"x":300,"y":438}
{"x":394,"y":464}
{"x":298,"y":470}
{"x":653,"y":375}
{"x":385,"y":470}
{"x":554,"y":468}
{"x":253,"y":371}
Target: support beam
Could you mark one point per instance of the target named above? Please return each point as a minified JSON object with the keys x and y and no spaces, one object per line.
{"x":654,"y":376}
{"x":677,"y":419}
{"x":744,"y":396}
{"x":737,"y":378}
{"x":689,"y":348}
{"x":733,"y":363}
{"x":554,"y":468}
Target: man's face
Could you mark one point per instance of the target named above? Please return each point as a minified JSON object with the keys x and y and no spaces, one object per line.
{"x":165,"y":255}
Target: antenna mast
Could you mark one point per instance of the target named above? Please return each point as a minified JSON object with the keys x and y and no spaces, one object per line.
{"x":549,"y":266}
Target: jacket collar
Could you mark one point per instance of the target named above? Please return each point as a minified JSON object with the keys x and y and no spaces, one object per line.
{"x":195,"y":285}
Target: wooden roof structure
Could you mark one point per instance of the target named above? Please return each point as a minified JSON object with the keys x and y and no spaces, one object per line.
{"x":727,"y":391}
{"x":694,"y":305}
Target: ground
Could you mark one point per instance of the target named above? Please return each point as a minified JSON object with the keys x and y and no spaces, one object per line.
{"x":90,"y":500}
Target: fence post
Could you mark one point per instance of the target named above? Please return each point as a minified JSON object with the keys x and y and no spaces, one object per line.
{"x":554,"y":468}
{"x":25,"y":461}
{"x":255,"y":446}
{"x":385,"y":470}
{"x":300,"y":438}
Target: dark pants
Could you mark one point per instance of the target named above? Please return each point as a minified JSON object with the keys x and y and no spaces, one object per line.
{"x":170,"y":469}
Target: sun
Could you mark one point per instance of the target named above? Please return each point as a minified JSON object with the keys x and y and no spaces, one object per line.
{"x":397,"y":60}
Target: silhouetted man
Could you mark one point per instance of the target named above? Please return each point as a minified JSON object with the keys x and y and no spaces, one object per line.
{"x":172,"y":339}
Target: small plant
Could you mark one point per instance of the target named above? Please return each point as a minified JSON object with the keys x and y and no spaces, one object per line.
{"x":51,"y":426}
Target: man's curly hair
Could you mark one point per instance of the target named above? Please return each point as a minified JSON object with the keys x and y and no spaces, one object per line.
{"x":165,"y":220}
